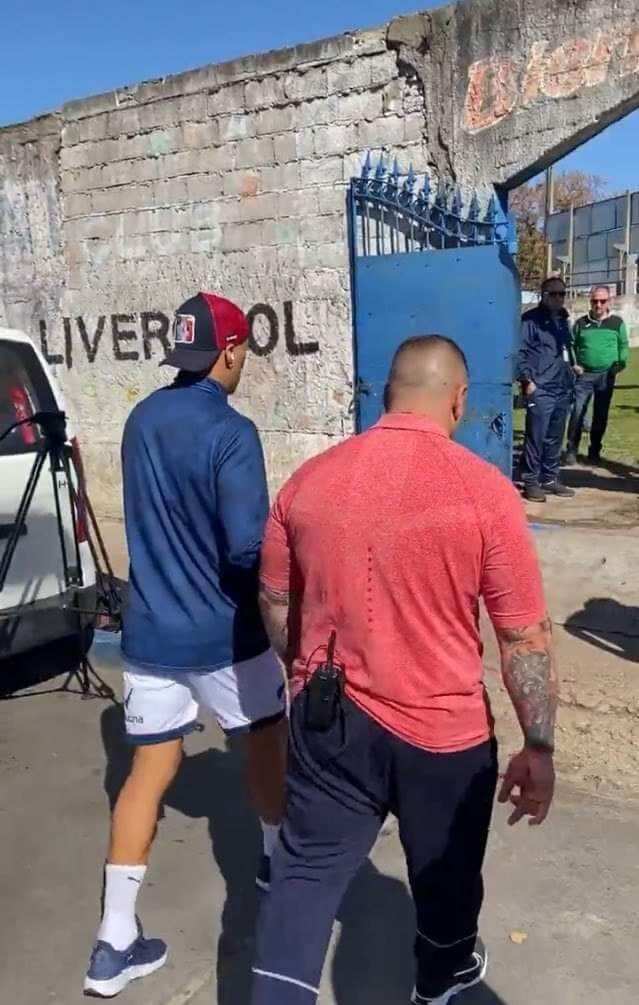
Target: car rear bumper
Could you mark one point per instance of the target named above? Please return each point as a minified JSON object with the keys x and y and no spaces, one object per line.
{"x":29,"y":625}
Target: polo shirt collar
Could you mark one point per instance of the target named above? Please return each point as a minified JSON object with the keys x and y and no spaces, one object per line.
{"x":409,"y":420}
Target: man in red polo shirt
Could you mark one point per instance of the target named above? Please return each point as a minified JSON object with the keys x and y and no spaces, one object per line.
{"x":388,"y":541}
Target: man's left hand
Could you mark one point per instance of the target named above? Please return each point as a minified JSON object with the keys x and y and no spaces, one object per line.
{"x":578,"y":370}
{"x":529,"y":784}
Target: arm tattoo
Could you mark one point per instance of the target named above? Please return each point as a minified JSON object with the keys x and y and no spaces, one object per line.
{"x":274,"y":607}
{"x":531,"y":681}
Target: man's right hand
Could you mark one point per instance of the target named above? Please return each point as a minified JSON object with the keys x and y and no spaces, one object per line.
{"x":529,"y":784}
{"x":529,"y":388}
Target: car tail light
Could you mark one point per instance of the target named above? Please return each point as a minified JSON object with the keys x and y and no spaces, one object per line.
{"x":81,"y":521}
{"x":23,"y":411}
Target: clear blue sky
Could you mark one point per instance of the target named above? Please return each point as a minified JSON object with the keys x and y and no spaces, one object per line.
{"x":55,"y":50}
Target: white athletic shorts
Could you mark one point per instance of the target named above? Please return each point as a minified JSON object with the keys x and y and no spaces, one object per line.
{"x":161,"y":706}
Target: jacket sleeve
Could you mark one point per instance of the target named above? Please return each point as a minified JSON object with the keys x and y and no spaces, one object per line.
{"x":242,"y":495}
{"x":575,"y":342}
{"x":623,"y":344}
{"x":525,"y":360}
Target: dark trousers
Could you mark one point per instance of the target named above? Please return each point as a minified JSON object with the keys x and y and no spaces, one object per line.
{"x":341,"y":786}
{"x":602,"y":386}
{"x":546,"y":414}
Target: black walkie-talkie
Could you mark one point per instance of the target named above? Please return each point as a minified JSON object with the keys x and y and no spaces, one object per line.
{"x":324,"y":691}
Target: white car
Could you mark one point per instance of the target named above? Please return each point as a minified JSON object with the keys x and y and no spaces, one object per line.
{"x":36,"y":604}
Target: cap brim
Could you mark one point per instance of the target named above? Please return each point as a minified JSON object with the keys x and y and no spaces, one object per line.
{"x":192,"y":360}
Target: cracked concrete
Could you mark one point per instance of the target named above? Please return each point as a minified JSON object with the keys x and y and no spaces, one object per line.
{"x":515,"y":86}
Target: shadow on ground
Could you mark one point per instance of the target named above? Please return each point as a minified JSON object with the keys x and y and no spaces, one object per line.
{"x":608,"y":625}
{"x":373,"y":958}
{"x":210,"y":785}
{"x":19,"y":674}
{"x":608,"y":476}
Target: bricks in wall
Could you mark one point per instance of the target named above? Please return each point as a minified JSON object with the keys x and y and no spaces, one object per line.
{"x":239,"y":187}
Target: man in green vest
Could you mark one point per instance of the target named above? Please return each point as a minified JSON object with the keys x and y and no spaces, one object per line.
{"x":601,"y":350}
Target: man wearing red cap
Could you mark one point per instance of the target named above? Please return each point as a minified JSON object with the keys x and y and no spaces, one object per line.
{"x":196,"y":503}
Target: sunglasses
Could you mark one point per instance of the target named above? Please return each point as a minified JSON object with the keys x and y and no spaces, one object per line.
{"x":556,"y":293}
{"x":595,"y":301}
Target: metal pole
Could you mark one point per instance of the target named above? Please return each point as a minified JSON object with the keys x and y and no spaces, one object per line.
{"x":626,"y":276}
{"x":548,"y":211}
{"x":571,"y":247}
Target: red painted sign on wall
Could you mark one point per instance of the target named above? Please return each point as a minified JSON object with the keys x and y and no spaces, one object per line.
{"x":497,"y":86}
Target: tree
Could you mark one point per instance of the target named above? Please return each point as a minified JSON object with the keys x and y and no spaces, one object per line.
{"x":575,"y":188}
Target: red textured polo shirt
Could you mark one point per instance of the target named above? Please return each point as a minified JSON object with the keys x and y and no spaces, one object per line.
{"x":390,"y":539}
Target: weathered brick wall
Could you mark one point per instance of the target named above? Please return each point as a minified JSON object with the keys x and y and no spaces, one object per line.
{"x":232,"y":179}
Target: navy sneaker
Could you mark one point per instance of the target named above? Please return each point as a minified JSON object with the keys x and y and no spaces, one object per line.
{"x":263,"y":877}
{"x":470,"y":973}
{"x":110,"y":970}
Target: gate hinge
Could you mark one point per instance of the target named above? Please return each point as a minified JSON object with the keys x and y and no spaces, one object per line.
{"x":360,"y":389}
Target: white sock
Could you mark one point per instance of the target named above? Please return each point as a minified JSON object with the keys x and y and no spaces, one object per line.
{"x":270,"y":834}
{"x":121,"y":887}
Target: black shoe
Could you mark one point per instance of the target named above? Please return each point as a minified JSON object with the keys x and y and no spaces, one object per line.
{"x":263,"y":876}
{"x":557,"y":489}
{"x":470,"y":973}
{"x":594,"y":458}
{"x":534,"y":493}
{"x":571,"y":458}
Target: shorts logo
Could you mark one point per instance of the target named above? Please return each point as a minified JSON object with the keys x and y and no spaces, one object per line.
{"x":133,"y":720}
{"x":184,"y":329}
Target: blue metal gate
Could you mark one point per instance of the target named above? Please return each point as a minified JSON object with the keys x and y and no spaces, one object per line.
{"x":420,"y":266}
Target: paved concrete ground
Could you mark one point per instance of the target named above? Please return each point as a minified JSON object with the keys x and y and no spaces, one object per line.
{"x":571,"y":886}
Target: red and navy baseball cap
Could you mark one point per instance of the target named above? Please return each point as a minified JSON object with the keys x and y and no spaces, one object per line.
{"x":203,"y":327}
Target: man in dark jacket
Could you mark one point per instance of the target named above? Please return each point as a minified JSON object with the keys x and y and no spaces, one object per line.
{"x":545,"y":372}
{"x":195,"y":502}
{"x":600,"y":341}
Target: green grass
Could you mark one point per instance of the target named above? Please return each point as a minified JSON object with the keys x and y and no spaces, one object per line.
{"x":622,"y":438}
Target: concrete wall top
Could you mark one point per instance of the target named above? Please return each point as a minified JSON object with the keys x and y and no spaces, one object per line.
{"x":529,"y":80}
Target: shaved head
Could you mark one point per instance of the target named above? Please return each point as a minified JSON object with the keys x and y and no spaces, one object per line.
{"x":428,"y":376}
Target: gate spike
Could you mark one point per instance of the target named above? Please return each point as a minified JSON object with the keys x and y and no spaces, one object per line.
{"x":441,"y":199}
{"x":366,"y":167}
{"x":409,"y":183}
{"x":491,"y":209}
{"x":422,"y":201}
{"x":473,"y":209}
{"x":392,"y":182}
{"x":458,"y":203}
{"x":380,"y":170}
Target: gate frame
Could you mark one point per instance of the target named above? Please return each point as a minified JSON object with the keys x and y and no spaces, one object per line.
{"x":429,"y":210}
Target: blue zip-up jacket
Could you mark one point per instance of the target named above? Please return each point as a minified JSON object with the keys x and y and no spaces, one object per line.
{"x":195,"y":502}
{"x":545,"y":341}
